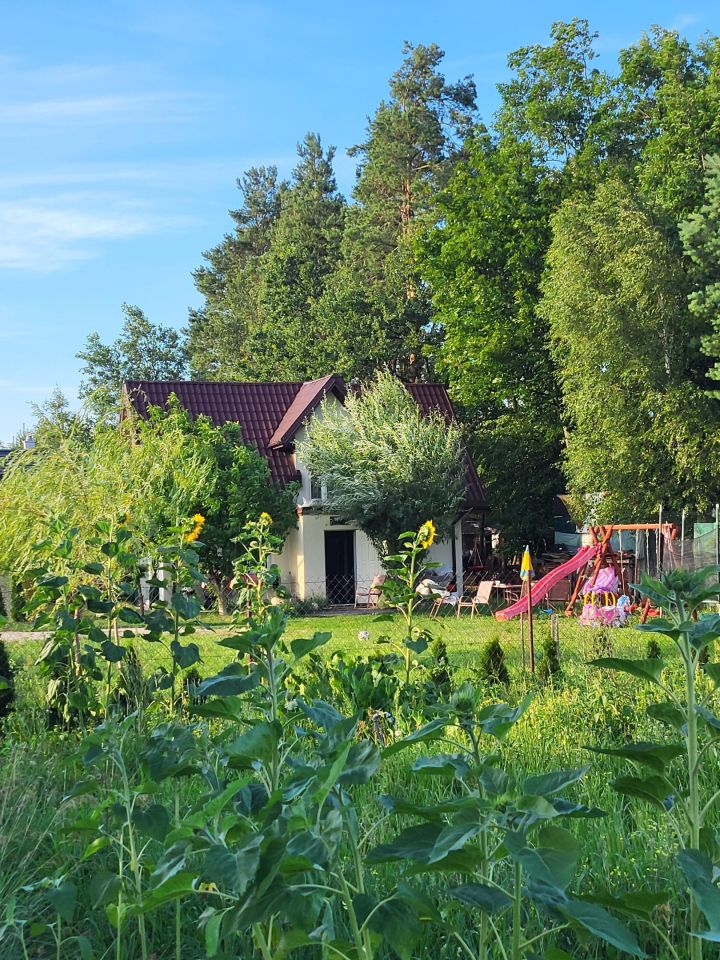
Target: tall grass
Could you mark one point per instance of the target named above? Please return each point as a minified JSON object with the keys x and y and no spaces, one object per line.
{"x":631,"y":847}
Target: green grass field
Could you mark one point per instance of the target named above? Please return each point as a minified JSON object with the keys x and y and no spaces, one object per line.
{"x":631,"y":848}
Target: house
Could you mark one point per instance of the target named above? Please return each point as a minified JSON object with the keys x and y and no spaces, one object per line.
{"x":324,"y":556}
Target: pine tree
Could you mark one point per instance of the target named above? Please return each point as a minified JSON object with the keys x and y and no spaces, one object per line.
{"x":413,"y":142}
{"x":231,"y":281}
{"x":292,"y":342}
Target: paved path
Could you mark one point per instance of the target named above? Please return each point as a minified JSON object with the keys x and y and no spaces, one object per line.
{"x":24,"y":634}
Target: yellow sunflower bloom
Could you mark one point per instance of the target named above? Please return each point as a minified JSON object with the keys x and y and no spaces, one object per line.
{"x":427,"y":534}
{"x":198,"y":523}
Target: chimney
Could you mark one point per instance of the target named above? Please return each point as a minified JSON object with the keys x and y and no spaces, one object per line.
{"x":29,"y":442}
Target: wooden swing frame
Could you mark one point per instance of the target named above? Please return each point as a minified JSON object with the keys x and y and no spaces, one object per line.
{"x":601,"y":537}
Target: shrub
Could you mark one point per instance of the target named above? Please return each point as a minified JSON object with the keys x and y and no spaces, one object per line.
{"x":7,"y":686}
{"x":438,"y":651}
{"x":311,"y":604}
{"x":653,"y":649}
{"x":493,"y":668}
{"x":550,"y":666}
{"x":440,"y":684}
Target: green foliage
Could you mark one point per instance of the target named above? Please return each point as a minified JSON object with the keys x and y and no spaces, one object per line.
{"x":556,"y":99}
{"x":666,"y":121}
{"x":492,"y":667}
{"x":639,"y":428}
{"x":692,"y":728}
{"x":263,"y":284}
{"x":700,"y":234}
{"x":387,"y":466}
{"x":143,"y":351}
{"x":7,"y":684}
{"x":405,"y":569}
{"x":306,"y":285}
{"x":240,"y":489}
{"x":256,"y":578}
{"x":601,"y":642}
{"x":549,"y":668}
{"x":152,"y":471}
{"x":654,"y":650}
{"x":496,"y":815}
{"x":484,"y":262}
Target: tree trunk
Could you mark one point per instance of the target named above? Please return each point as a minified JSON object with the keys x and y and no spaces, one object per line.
{"x":218,"y":583}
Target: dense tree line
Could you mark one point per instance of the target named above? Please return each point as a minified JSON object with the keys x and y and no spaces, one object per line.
{"x":557,"y":268}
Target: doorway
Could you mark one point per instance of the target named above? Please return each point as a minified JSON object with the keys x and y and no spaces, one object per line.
{"x":340,"y":566}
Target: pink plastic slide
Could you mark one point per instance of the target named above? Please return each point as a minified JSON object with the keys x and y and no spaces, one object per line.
{"x":543,"y":587}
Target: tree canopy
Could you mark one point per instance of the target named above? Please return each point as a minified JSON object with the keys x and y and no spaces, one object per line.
{"x":387,"y":467}
{"x":143,"y":351}
{"x":464,"y":254}
{"x":154,"y":474}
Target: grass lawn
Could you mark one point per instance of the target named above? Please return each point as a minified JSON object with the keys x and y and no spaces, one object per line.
{"x":463,"y":635}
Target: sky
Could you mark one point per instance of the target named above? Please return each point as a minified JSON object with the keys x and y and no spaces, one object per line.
{"x":124,"y":125}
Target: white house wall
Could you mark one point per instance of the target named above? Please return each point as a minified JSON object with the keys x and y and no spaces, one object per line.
{"x":302,"y":561}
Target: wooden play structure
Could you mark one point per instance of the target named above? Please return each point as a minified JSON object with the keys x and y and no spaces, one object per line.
{"x":604,"y":555}
{"x":587,"y":564}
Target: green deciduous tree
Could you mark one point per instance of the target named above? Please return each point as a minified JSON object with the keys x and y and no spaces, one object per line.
{"x":668,"y":106}
{"x":143,"y":351}
{"x":155,"y":472}
{"x":639,"y":430}
{"x":700,"y":234}
{"x":484,"y":262}
{"x":152,"y":471}
{"x":388,"y":468}
{"x":240,"y":491}
{"x":558,"y":101}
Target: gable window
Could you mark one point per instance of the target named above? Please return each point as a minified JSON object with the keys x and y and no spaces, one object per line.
{"x":317,"y":489}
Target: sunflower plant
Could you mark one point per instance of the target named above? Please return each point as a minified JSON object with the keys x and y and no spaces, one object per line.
{"x":257,"y":579}
{"x":405,"y":569}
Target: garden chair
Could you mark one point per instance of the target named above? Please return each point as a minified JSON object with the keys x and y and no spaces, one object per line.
{"x":444,"y":597}
{"x":370,"y":595}
{"x":480,"y":598}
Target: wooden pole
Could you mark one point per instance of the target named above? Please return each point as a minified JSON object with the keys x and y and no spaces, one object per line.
{"x":530,"y":625}
{"x":522,"y":639}
{"x":682,"y":540}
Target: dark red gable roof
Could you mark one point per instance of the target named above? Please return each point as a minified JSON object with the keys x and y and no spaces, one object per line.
{"x":257,"y":407}
{"x":270,"y":414}
{"x":308,"y":397}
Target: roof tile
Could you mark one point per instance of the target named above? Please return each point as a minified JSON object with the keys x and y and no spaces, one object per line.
{"x":270,"y":414}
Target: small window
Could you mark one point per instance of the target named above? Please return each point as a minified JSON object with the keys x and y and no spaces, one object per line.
{"x":316,"y":489}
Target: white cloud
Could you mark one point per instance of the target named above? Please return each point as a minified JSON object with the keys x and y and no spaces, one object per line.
{"x":102,"y":109}
{"x":684,"y":20}
{"x":42,"y":234}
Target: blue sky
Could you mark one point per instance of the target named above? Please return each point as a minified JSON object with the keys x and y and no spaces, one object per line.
{"x":124,"y":126}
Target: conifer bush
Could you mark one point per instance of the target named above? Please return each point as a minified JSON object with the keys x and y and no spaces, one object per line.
{"x":549,"y":667}
{"x":492,"y":668}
